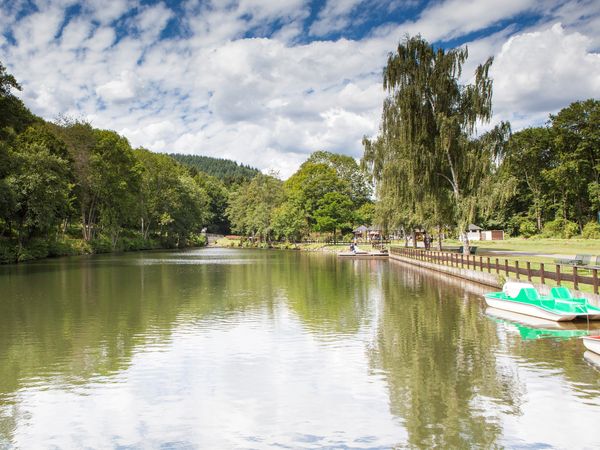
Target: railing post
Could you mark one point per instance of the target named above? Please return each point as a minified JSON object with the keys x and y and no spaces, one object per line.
{"x":497,"y":266}
{"x":595,"y":280}
{"x":542,"y":273}
{"x":506,"y":266}
{"x":488,"y":265}
{"x":517,"y":267}
{"x":481,"y":263}
{"x":528,"y":271}
{"x":462,"y":261}
{"x":558,"y":274}
{"x":575,"y":281}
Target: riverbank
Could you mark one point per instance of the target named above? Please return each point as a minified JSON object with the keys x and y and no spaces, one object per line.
{"x":305,"y":247}
{"x":35,"y":249}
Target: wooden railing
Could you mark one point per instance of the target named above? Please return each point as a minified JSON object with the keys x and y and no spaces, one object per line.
{"x":546,"y":271}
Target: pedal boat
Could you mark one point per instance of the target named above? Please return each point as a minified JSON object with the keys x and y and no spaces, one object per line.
{"x":592,"y":343}
{"x":559,"y":306}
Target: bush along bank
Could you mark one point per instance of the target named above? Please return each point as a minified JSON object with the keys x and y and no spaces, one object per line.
{"x":11,"y":251}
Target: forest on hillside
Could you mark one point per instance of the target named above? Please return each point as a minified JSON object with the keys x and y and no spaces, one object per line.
{"x":226,"y":170}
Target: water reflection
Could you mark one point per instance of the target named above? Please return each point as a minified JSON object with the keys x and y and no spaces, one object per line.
{"x":530,"y":327}
{"x":254,"y":349}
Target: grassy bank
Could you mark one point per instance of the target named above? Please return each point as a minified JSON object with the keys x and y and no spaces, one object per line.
{"x":541,"y":246}
{"x":313,"y":247}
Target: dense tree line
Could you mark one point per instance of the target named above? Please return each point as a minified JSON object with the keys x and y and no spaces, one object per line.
{"x":69,"y":188}
{"x":434,"y":171}
{"x":328,"y":194}
{"x":551,"y":176}
{"x":229,"y":172}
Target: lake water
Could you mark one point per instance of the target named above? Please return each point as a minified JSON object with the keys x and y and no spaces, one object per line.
{"x":218,"y":348}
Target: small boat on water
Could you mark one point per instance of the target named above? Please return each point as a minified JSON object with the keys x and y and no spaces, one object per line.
{"x":592,"y":343}
{"x":559,"y":306}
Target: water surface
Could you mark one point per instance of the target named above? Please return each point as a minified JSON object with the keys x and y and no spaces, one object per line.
{"x":219,"y":348}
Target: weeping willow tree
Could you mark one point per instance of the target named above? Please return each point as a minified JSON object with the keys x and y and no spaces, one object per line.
{"x":426,"y":159}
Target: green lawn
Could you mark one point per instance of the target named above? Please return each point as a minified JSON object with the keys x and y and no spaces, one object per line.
{"x":542,"y":246}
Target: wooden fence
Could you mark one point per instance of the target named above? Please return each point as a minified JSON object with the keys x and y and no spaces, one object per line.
{"x":521,"y":269}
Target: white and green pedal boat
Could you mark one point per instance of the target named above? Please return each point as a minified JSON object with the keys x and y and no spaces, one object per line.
{"x":559,"y":306}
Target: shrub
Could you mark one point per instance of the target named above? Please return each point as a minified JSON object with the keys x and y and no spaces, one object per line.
{"x":66,"y":246}
{"x":196,"y":240}
{"x":36,"y":248}
{"x":82,"y":247}
{"x":102,"y":244}
{"x":560,"y":228}
{"x":571,"y":230}
{"x":591,"y":230}
{"x":8,"y":253}
{"x":527,"y":228}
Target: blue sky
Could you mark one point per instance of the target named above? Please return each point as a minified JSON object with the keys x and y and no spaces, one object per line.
{"x":268,"y":82}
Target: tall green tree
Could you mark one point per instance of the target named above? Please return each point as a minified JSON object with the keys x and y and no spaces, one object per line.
{"x":428,"y":127}
{"x":334,"y":213}
{"x":40,"y":189}
{"x":576,"y":133}
{"x":217,"y":194}
{"x":347,"y":169}
{"x":158,"y":190}
{"x":529,"y":155}
{"x":252,"y":206}
{"x":288,"y":222}
{"x":14,"y":115}
{"x":115,"y":182}
{"x":310,"y":183}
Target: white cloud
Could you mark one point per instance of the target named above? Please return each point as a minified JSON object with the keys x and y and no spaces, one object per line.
{"x":271,"y":101}
{"x":543,"y":71}
{"x":118,"y":90}
{"x":334,"y":16}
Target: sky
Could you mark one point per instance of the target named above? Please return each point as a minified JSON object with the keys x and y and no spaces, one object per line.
{"x":266,"y":83}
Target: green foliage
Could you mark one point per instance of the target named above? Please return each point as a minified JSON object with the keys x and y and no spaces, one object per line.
{"x":347,"y":170}
{"x":14,"y":116}
{"x":591,"y":230}
{"x":102,"y":244}
{"x":68,"y":247}
{"x":39,"y":188}
{"x":36,"y":248}
{"x":288,"y":222}
{"x":8,"y":251}
{"x":334,"y":213}
{"x":310,"y":184}
{"x":365,"y":215}
{"x":217,"y":197}
{"x":252,"y":206}
{"x":527,"y":228}
{"x":560,"y":228}
{"x":229,"y":172}
{"x":426,"y":155}
{"x":555,"y":169}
